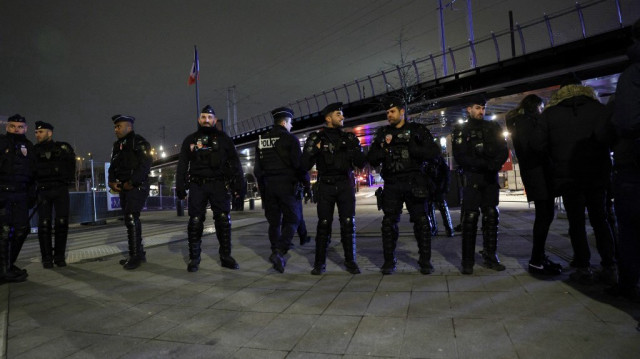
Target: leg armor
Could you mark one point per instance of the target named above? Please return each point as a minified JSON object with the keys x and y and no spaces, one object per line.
{"x":61,"y":230}
{"x":194,"y":234}
{"x":223,"y":232}
{"x":44,"y":237}
{"x":469,"y":231}
{"x":348,"y":238}
{"x":490,"y":220}
{"x":322,"y":238}
{"x":422,"y":232}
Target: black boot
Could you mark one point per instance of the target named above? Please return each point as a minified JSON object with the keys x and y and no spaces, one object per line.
{"x":6,"y":273}
{"x":323,"y":232}
{"x":446,"y":217}
{"x":61,"y":231}
{"x":194,"y":234}
{"x":389,"y":239}
{"x":133,"y":261}
{"x":348,"y":238}
{"x":490,"y":239}
{"x":16,"y":241}
{"x":44,"y":237}
{"x":423,"y":236}
{"x":278,"y":260}
{"x":469,"y":231}
{"x":223,"y":232}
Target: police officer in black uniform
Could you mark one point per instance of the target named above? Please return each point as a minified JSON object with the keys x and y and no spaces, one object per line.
{"x":128,"y":176}
{"x":17,"y":195}
{"x":480,"y":148}
{"x":278,"y":172}
{"x":335,"y":153}
{"x":402,"y":148}
{"x":55,"y":166}
{"x":210,"y":168}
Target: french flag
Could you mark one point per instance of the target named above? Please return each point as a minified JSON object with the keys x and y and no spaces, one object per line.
{"x":194,"y":75}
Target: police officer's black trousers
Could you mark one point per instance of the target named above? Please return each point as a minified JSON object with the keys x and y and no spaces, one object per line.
{"x":394,"y":195}
{"x":50,"y":199}
{"x":13,"y":231}
{"x":281,"y":211}
{"x":132,"y":202}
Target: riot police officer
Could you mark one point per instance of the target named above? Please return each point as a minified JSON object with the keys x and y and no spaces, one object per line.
{"x":210,"y":168}
{"x":278,"y":171}
{"x":335,"y":153}
{"x":401,"y":148}
{"x":55,"y":167}
{"x":128,"y":176}
{"x":17,"y":195}
{"x":480,"y":148}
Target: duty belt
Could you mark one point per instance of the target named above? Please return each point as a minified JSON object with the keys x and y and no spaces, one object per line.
{"x":333,"y":179}
{"x":204,"y":180}
{"x":405,"y":177}
{"x":13,"y":188}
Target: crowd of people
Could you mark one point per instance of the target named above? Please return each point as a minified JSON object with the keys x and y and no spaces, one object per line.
{"x":563,"y":147}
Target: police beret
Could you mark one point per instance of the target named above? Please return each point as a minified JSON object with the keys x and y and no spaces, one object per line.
{"x":17,"y":118}
{"x":391,"y":102}
{"x":337,"y":106}
{"x":282,"y":112}
{"x":478,"y":99}
{"x":118,"y":118}
{"x":43,"y":126}
{"x":208,"y":109}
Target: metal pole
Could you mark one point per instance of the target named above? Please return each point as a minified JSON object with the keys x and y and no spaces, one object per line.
{"x":235,"y":110}
{"x":93,"y":192}
{"x":471,"y":33}
{"x":197,"y":82}
{"x":512,"y":35}
{"x":443,"y":43}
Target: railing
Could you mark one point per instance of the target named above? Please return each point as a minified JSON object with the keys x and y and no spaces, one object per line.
{"x":578,"y":22}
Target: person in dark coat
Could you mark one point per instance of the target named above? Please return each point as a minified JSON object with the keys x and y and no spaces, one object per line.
{"x":209,"y":166}
{"x":626,"y":121}
{"x":522,"y":123}
{"x":278,"y":171}
{"x":573,"y":131}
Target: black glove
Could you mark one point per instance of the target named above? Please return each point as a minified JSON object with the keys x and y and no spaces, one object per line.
{"x":181,"y":193}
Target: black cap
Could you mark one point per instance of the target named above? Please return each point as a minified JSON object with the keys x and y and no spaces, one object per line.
{"x":118,"y":118}
{"x":282,"y":112}
{"x":43,"y":126}
{"x":208,"y":109}
{"x":17,"y":118}
{"x":336,"y":106}
{"x":391,"y":102}
{"x":478,"y":99}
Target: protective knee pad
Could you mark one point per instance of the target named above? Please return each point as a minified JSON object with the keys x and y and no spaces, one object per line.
{"x":324,"y":229}
{"x":44,"y":225}
{"x":470,"y":220}
{"x":348,"y":224}
{"x":222,"y":220}
{"x":389,"y":228}
{"x":62,"y":224}
{"x":490,"y":216}
{"x":194,"y":228}
{"x":129,"y":221}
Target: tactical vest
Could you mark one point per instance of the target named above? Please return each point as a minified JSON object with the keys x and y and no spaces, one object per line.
{"x":53,"y":162}
{"x":397,"y":159}
{"x":15,"y":161}
{"x":206,"y":153}
{"x":271,"y":155}
{"x":334,"y":157}
{"x":124,"y":159}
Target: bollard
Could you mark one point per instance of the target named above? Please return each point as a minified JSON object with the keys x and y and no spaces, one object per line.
{"x":252,"y":204}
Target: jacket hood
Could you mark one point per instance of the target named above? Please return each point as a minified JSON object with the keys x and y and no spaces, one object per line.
{"x":569,"y":92}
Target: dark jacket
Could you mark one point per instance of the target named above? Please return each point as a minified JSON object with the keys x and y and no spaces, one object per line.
{"x":56,"y":164}
{"x":130,"y":160}
{"x":534,"y":164}
{"x":338,"y":154}
{"x":479,"y":146}
{"x":17,"y":162}
{"x":573,"y":131}
{"x":278,"y":155}
{"x":626,"y":116}
{"x":207,"y":154}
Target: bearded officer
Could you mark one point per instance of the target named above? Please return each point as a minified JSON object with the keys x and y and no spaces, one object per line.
{"x":210,"y":168}
{"x":55,"y":167}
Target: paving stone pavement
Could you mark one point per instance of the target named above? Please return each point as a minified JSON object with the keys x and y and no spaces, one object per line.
{"x":95,"y":309}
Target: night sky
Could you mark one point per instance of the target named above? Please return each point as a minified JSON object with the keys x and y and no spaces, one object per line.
{"x":77,"y":63}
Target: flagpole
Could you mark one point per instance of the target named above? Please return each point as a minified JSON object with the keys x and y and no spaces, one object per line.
{"x":197,"y":64}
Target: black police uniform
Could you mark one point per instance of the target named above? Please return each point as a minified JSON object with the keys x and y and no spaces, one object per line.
{"x":131,"y":162}
{"x":210,"y":168}
{"x":338,"y":154}
{"x":55,"y":167}
{"x":278,"y":171}
{"x":402,"y":161}
{"x":17,"y":195}
{"x":439,"y":176}
{"x":480,"y":149}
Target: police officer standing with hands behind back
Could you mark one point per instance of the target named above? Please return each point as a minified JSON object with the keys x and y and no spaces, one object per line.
{"x":128,"y":176}
{"x":402,"y":148}
{"x":335,"y":153}
{"x":278,"y":172}
{"x":480,"y":148}
{"x":55,"y":167}
{"x":209,"y":167}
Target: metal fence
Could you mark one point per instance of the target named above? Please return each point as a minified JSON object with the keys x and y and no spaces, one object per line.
{"x":578,"y":22}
